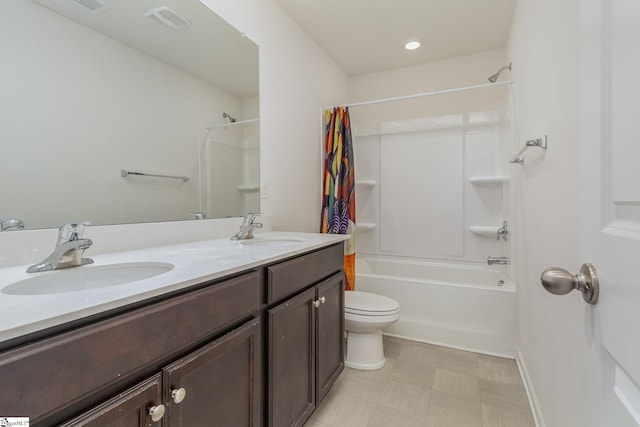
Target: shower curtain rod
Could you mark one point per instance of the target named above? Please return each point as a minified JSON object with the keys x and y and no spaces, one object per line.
{"x":233,"y":124}
{"x":419,"y":95}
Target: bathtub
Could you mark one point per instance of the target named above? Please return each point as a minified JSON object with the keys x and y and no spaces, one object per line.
{"x":460,"y":305}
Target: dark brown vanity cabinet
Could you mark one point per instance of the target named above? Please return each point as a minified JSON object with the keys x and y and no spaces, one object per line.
{"x":194,"y":358}
{"x":305,"y":338}
{"x":222,"y":382}
{"x":217,"y":384}
{"x":186,"y":337}
{"x":133,"y":408}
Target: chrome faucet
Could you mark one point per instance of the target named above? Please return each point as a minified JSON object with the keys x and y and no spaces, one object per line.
{"x":247,"y":227}
{"x":69,"y":249}
{"x":11,"y":224}
{"x":503,"y":231}
{"x":498,"y":260}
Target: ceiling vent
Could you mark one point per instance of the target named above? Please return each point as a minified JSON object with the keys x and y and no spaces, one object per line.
{"x":93,"y":6}
{"x":168,"y":17}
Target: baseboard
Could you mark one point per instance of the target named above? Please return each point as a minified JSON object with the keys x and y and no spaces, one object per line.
{"x":531,"y":393}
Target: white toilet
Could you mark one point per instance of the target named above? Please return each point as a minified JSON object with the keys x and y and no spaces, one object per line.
{"x":366,"y":314}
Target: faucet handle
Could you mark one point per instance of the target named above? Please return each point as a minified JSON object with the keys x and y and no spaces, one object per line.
{"x":72,"y":231}
{"x":249,"y":219}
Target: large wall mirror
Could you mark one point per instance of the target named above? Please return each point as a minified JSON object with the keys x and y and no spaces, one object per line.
{"x":92,"y":88}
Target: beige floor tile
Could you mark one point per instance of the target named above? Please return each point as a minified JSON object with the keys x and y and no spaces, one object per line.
{"x":427,"y":385}
{"x":459,"y":361}
{"x":413,"y":373}
{"x":384,"y":416}
{"x":496,"y":416}
{"x":498,"y":369}
{"x":446,"y":410}
{"x":511,"y":396}
{"x":340,"y":410}
{"x":312,"y":422}
{"x":392,"y":346}
{"x":418,"y":353}
{"x":374,"y":377}
{"x":405,"y":397}
{"x":454,"y":383}
{"x":370,"y":392}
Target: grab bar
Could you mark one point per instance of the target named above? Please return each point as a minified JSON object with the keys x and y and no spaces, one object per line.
{"x":124,"y":173}
{"x":540,"y":143}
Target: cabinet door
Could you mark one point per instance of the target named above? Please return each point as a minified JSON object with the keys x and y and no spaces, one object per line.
{"x":129,"y":409}
{"x":329,"y":334}
{"x":221,"y":383}
{"x":291,"y":361}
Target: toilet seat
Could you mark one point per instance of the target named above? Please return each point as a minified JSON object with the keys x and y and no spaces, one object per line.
{"x":368,"y":304}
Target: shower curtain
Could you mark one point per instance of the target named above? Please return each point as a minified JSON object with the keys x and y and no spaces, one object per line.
{"x":338,"y":190}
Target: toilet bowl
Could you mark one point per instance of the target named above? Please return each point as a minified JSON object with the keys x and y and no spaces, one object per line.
{"x":366,"y":314}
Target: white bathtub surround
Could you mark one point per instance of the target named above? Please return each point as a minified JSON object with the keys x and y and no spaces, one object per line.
{"x":455,"y":304}
{"x":366,"y":314}
{"x":435,"y":175}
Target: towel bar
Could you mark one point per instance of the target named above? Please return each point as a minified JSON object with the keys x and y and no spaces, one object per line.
{"x":124,"y":173}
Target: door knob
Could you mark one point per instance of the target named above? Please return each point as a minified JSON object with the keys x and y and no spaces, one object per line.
{"x":559,"y":281}
{"x":157,"y":412}
{"x":178,"y":394}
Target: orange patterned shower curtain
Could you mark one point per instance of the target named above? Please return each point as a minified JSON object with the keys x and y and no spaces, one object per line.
{"x":338,"y":190}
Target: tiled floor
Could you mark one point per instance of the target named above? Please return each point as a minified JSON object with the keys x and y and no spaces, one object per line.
{"x":428,"y":386}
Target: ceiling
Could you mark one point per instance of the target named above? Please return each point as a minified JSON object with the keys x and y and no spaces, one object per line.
{"x":365,"y":36}
{"x":209,"y":48}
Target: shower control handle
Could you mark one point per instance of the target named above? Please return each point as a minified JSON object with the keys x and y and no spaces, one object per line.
{"x":559,"y":281}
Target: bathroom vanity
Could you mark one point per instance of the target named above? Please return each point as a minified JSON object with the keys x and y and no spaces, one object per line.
{"x":257,"y":342}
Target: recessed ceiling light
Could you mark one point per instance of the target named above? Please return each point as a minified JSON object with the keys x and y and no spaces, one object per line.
{"x":414,"y":44}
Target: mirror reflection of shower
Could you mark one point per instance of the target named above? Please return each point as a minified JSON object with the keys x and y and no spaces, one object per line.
{"x":229,"y":152}
{"x":493,"y":78}
{"x":228,"y":116}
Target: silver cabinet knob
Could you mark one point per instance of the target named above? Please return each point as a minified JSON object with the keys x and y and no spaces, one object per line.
{"x":323,"y":300}
{"x":316,"y":303}
{"x":560,"y":282}
{"x":156,"y":412}
{"x":178,"y":394}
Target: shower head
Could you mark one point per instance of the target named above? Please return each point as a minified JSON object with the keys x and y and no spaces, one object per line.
{"x":228,"y":116}
{"x":494,"y":77}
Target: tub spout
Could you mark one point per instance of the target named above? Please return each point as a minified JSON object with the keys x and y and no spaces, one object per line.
{"x":498,"y":260}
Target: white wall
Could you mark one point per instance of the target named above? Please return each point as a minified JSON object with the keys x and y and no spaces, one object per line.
{"x":297,"y":80}
{"x":557,"y":344}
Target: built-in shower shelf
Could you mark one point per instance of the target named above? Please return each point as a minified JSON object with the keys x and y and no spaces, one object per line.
{"x":365,"y":226}
{"x":367,"y":183}
{"x":485,"y":230}
{"x":248,"y":188}
{"x":489,"y":181}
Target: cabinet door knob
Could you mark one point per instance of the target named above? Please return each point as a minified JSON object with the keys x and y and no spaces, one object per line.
{"x":316,"y":303}
{"x":156,"y":412}
{"x":178,"y":394}
{"x":323,"y":299}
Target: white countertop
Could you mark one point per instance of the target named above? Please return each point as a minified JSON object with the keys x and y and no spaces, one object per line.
{"x":195,"y":262}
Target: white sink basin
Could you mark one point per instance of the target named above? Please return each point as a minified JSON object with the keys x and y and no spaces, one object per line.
{"x":77,"y":279}
{"x":271,"y":242}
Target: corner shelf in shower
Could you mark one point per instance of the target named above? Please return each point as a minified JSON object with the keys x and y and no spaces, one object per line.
{"x":489,"y":180}
{"x":364,"y":226}
{"x":248,"y":188}
{"x":367,"y":183}
{"x":485,"y":230}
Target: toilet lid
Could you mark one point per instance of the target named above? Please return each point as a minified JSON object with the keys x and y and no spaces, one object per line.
{"x":358,"y":302}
